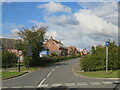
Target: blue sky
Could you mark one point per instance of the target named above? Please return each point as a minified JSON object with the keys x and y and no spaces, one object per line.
{"x":19,"y":13}
{"x":79,"y":24}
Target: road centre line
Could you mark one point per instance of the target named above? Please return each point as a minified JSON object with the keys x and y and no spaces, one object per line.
{"x":49,"y":74}
{"x":57,"y":66}
{"x":53,"y":70}
{"x":41,"y":82}
{"x":39,"y":85}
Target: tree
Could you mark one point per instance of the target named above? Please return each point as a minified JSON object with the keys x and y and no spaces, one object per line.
{"x":34,"y":37}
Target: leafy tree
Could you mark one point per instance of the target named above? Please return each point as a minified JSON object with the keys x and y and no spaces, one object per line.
{"x":35,"y":37}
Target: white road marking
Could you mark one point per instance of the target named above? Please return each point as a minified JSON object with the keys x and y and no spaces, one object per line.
{"x":107,"y":82}
{"x":70,"y":84}
{"x":5,"y":87}
{"x":16,"y":87}
{"x":49,"y":74}
{"x":41,"y":82}
{"x":117,"y":81}
{"x":53,"y":70}
{"x":56,"y":85}
{"x":29,"y":86}
{"x":80,"y":84}
{"x":57,"y":66}
{"x":94,"y":83}
{"x":44,"y":85}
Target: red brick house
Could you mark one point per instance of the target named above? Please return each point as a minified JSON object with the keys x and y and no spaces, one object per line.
{"x":72,"y":50}
{"x":56,"y":46}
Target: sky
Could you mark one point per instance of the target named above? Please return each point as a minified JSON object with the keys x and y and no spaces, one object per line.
{"x":79,"y":24}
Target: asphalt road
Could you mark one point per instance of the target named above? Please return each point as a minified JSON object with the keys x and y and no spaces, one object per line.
{"x":58,"y":75}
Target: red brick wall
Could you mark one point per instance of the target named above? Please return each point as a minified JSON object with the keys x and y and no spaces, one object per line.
{"x":51,"y":45}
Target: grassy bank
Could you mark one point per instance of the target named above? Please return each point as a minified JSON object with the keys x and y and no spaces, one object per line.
{"x":102,"y":74}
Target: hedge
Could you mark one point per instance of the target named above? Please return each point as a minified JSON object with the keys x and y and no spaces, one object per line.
{"x":46,"y":60}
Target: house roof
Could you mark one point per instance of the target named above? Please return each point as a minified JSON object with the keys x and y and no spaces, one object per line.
{"x":57,"y":42}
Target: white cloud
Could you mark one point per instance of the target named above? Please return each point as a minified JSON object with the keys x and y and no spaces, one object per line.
{"x":105,"y":10}
{"x":51,"y":33}
{"x":63,"y":20}
{"x":91,"y":28}
{"x":55,"y":7}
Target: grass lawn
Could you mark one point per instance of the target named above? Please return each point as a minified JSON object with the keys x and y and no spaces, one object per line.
{"x":9,"y":74}
{"x":102,"y":74}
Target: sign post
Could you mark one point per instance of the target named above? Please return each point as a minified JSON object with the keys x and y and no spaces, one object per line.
{"x":19,"y":54}
{"x":106,"y":55}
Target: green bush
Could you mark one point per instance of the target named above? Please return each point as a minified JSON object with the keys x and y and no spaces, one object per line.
{"x":9,"y":59}
{"x":97,"y":60}
{"x":54,"y":54}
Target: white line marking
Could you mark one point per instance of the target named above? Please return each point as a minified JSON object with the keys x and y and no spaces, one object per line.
{"x":107,"y":82}
{"x":117,"y":81}
{"x":16,"y":87}
{"x":41,"y":82}
{"x":80,"y":84}
{"x":69,"y":84}
{"x":57,"y":66}
{"x":53,"y":70}
{"x":56,"y":85}
{"x":49,"y":74}
{"x":5,"y":87}
{"x":95,"y":83}
{"x":29,"y":86}
{"x":44,"y":85}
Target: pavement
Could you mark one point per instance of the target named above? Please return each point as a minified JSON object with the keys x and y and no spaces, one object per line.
{"x":59,"y":75}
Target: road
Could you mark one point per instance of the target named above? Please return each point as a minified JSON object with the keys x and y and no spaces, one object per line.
{"x":58,"y":75}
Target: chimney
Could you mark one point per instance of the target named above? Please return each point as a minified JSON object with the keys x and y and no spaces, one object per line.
{"x":51,"y":37}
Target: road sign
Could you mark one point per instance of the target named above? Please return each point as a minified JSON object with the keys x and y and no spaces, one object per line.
{"x":84,"y":52}
{"x":19,"y":52}
{"x":106,"y":44}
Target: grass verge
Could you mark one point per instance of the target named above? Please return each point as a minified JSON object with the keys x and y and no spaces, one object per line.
{"x":102,"y":74}
{"x":9,"y":74}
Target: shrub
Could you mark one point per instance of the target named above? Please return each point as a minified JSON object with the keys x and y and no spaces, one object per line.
{"x":97,"y":60}
{"x":9,"y":59}
{"x":54,"y":54}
